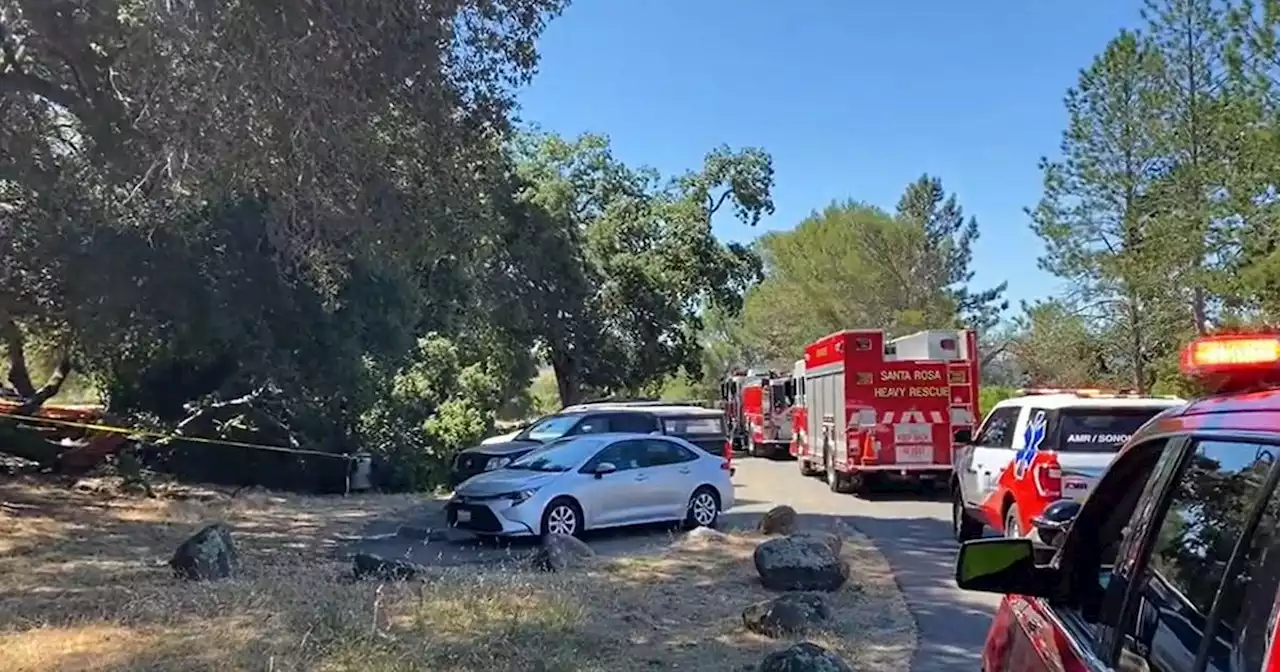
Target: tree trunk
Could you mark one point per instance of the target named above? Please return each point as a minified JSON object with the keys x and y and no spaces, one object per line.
{"x":19,"y":374}
{"x":567,"y":383}
{"x":1135,"y":343}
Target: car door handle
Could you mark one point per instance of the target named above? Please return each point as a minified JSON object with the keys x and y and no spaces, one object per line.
{"x":641,"y":477}
{"x":684,"y":470}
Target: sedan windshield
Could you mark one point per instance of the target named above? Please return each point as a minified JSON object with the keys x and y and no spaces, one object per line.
{"x":549,"y":429}
{"x":559,"y":456}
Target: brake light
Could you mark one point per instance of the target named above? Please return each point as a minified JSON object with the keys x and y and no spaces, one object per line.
{"x":728,"y":456}
{"x":1234,"y":360}
{"x":1048,"y":480}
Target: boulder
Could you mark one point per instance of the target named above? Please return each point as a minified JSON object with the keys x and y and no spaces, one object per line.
{"x":560,"y":552}
{"x":799,"y":563}
{"x":371,"y":566}
{"x":779,"y":520}
{"x":790,"y":614}
{"x":832,"y":540}
{"x":803,"y":657}
{"x":207,"y":554}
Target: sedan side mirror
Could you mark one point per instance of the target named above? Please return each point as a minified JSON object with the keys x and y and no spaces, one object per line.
{"x":604,"y":468}
{"x":1005,"y":565}
{"x":963,"y":437}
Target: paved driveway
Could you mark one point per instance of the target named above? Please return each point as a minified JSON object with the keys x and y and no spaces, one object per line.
{"x":913,"y":532}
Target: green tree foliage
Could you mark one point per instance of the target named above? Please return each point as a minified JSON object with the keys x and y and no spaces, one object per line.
{"x":1099,"y":228}
{"x":200,"y":198}
{"x":613,"y":287}
{"x":856,"y":266}
{"x":946,"y":254}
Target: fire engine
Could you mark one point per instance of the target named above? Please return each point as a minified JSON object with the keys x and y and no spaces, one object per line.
{"x":758,"y":411}
{"x":870,"y":409}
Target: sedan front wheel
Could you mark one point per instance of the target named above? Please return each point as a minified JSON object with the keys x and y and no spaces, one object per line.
{"x":562,"y":516}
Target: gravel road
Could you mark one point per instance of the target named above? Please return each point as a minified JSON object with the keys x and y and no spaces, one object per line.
{"x":913,"y":532}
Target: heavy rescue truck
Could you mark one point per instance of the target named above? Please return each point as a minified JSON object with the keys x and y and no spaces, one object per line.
{"x":871,"y":409}
{"x":758,"y":411}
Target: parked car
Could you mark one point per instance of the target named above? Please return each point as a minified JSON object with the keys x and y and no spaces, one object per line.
{"x":1172,"y":562}
{"x":702,"y":427}
{"x":511,"y":435}
{"x":595,"y":481}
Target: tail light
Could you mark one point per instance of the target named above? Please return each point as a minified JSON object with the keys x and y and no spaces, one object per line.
{"x":1048,"y":479}
{"x":727,"y":465}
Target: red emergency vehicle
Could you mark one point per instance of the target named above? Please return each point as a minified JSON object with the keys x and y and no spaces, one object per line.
{"x":758,"y":409}
{"x":869,"y":408}
{"x":1172,"y":562}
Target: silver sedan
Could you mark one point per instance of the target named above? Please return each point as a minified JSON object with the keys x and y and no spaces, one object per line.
{"x":596,"y":481}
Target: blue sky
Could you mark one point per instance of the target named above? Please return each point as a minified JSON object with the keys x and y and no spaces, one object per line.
{"x":854,"y":99}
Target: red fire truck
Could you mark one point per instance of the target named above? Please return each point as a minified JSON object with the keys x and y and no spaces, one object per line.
{"x":870,"y":409}
{"x":758,"y":410}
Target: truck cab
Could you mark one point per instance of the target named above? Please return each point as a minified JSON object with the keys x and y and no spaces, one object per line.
{"x":1039,"y":447}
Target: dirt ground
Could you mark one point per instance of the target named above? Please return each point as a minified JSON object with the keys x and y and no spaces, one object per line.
{"x":83,"y":586}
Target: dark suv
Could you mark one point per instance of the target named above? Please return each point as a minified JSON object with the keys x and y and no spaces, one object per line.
{"x":700,"y":426}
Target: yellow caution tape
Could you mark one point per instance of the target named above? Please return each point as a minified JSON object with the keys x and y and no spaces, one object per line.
{"x":161,"y":435}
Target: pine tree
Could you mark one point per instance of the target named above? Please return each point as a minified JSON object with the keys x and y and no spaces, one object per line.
{"x":1094,"y":216}
{"x":947,"y":252}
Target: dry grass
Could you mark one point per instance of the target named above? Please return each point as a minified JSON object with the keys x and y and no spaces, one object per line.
{"x":83,"y":587}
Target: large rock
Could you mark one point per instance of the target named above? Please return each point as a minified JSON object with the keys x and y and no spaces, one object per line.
{"x":799,"y":563}
{"x":371,"y":566}
{"x":560,"y":552}
{"x":790,"y":614}
{"x":779,"y":520}
{"x":207,"y":554}
{"x":803,"y":657}
{"x":830,"y":539}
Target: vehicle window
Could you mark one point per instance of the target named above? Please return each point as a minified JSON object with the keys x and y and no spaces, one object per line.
{"x":997,"y":430}
{"x":639,"y":423}
{"x":593,"y":424}
{"x":693,"y":426}
{"x":1208,"y":510}
{"x":550,"y":428}
{"x":624,"y":455}
{"x":1099,"y":430}
{"x":661,"y":453}
{"x":561,"y":455}
{"x":1256,"y":584}
{"x":1113,"y":538}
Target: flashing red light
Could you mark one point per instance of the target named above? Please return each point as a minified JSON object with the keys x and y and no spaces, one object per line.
{"x":1242,"y":360}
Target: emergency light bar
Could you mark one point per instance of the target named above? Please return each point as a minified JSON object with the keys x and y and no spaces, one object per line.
{"x":1234,"y":361}
{"x":1087,"y":392}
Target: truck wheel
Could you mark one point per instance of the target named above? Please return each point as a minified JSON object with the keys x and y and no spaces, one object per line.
{"x":837,"y":481}
{"x":806,"y":469}
{"x":962,"y":526}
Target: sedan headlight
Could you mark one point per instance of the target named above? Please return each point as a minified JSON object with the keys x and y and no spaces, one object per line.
{"x":521,"y":496}
{"x":496,"y":463}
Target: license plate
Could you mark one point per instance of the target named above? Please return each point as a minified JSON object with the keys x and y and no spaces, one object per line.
{"x":913,"y":433}
{"x":464,"y":516}
{"x":915,"y":454}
